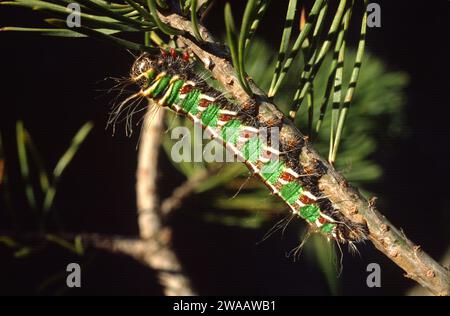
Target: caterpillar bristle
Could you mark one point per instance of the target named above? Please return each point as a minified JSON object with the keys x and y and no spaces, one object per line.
{"x":171,"y":81}
{"x":296,"y":251}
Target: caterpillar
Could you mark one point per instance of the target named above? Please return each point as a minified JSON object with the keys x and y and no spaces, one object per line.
{"x":171,"y":82}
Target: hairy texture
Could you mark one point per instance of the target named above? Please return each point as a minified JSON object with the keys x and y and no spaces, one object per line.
{"x":171,"y":82}
{"x":388,"y":239}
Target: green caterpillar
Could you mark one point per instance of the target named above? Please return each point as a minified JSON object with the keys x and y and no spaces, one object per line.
{"x":171,"y":82}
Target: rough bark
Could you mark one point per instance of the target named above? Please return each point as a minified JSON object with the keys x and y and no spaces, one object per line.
{"x":389,"y":240}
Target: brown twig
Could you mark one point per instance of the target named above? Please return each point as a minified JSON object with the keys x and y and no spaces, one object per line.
{"x":147,"y":198}
{"x":186,"y":189}
{"x":155,"y":246}
{"x":386,"y":238}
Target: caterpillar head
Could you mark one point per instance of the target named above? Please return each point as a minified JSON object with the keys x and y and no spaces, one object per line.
{"x":146,"y":67}
{"x":143,"y":66}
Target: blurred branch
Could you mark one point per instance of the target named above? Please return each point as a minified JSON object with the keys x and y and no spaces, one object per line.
{"x":386,"y":237}
{"x":152,"y":253}
{"x":146,"y":178}
{"x":154,"y":248}
{"x":188,"y":187}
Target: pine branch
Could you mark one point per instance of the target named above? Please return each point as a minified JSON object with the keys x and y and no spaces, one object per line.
{"x":182,"y":192}
{"x":387,"y":238}
{"x":152,"y":253}
{"x":155,"y":247}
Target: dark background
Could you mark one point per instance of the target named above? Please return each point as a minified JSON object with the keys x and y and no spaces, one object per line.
{"x":54,"y":85}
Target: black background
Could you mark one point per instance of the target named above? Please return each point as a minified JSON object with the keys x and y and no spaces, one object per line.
{"x":54,"y":86}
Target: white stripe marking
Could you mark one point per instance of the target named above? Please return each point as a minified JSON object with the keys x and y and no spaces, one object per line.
{"x":272,"y":150}
{"x":207,"y":97}
{"x":310,"y":195}
{"x":292,"y":172}
{"x":328,"y":218}
{"x":250,"y":129}
{"x":228,"y":112}
{"x":189,"y":83}
{"x":299,"y":203}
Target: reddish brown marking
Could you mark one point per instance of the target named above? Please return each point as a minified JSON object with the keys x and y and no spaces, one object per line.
{"x":248,"y":104}
{"x":292,"y":143}
{"x":309,"y":169}
{"x":249,"y":134}
{"x":271,"y":122}
{"x":204,"y":103}
{"x":186,"y":89}
{"x":163,"y":53}
{"x":287,"y":177}
{"x":267,"y":154}
{"x":225,"y":117}
{"x":306,"y":200}
{"x":186,"y":56}
{"x":322,"y":220}
{"x":173,"y":53}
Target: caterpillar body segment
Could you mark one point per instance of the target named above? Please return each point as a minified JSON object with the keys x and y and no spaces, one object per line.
{"x":171,"y":82}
